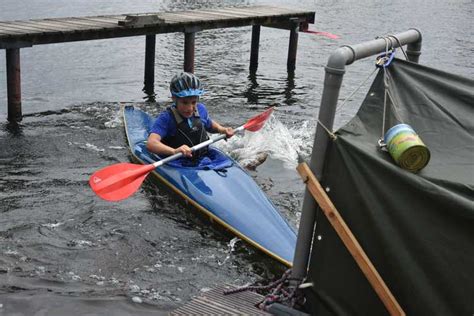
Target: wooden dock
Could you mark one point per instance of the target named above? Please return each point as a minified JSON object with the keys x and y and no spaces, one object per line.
{"x":15,"y":35}
{"x":215,"y":302}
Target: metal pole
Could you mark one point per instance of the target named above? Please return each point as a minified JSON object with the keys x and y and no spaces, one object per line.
{"x":13,"y":84}
{"x":189,"y":51}
{"x":254,"y":47}
{"x":292,"y":47}
{"x":332,"y":84}
{"x":335,"y":70}
{"x":150,"y":45}
{"x":414,"y":49}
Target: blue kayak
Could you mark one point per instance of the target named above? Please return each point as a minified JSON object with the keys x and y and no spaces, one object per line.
{"x":219,"y":187}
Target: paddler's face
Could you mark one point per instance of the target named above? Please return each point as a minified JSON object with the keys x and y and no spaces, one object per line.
{"x":186,"y":106}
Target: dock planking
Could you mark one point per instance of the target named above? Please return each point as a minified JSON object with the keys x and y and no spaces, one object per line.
{"x":214,"y":302}
{"x":13,"y":34}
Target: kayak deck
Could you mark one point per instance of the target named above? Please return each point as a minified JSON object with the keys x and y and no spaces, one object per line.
{"x":224,"y":192}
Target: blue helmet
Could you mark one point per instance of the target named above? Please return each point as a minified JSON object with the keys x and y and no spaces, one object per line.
{"x":185,"y":84}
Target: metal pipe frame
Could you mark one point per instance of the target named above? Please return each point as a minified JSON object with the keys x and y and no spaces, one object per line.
{"x":335,"y":70}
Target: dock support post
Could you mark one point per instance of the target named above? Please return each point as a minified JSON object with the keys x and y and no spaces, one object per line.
{"x":189,"y":51}
{"x":254,"y":48}
{"x":292,"y":47}
{"x":13,"y":84}
{"x":150,"y":45}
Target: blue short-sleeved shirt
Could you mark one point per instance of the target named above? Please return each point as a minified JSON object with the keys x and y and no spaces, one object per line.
{"x":165,"y":124}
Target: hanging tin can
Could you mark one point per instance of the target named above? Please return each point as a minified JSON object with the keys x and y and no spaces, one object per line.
{"x":406,"y":148}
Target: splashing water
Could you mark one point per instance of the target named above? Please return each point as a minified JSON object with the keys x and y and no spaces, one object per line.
{"x":231,"y":249}
{"x":275,"y":140}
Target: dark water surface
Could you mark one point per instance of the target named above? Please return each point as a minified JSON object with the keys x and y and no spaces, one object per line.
{"x":62,"y":246}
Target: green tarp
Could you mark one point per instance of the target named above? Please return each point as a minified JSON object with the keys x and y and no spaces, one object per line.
{"x":417,"y":229}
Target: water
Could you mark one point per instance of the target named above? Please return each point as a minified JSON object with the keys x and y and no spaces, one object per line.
{"x":68,"y":248}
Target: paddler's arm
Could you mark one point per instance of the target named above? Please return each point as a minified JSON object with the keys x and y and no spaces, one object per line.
{"x":155,"y":145}
{"x":218,"y":128}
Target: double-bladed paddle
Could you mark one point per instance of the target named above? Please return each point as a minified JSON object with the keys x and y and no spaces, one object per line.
{"x":119,"y":181}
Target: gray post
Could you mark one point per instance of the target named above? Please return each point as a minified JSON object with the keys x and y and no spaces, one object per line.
{"x":189,"y":51}
{"x":150,"y":45}
{"x":293,"y":46}
{"x":332,"y":83}
{"x":254,"y":48}
{"x":13,"y":84}
{"x":414,"y":49}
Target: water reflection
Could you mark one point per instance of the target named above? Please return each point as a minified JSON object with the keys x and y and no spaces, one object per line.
{"x":250,"y":93}
{"x":150,"y":95}
{"x":13,"y":128}
{"x":255,"y":91}
{"x":289,"y":88}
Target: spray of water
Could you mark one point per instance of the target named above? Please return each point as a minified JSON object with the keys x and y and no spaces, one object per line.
{"x":275,"y":139}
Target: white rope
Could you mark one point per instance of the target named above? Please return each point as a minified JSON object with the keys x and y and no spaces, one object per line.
{"x":338,"y":108}
{"x":354,"y":92}
{"x":399,"y":45}
{"x":387,"y":79}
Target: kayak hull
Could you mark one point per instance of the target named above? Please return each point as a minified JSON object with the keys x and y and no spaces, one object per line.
{"x":229,"y":196}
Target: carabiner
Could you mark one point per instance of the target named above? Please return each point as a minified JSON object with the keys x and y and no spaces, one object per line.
{"x":384,"y":60}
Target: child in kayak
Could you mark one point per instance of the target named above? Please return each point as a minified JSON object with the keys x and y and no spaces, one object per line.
{"x":185,"y":122}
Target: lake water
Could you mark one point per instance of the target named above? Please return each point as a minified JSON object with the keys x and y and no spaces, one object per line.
{"x":62,"y":246}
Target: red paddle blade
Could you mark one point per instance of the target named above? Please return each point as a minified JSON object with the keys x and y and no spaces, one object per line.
{"x":119,"y":181}
{"x":325,"y":34}
{"x":257,"y":122}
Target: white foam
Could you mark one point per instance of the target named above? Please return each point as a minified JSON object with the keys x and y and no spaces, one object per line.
{"x":115,"y":120}
{"x":275,"y":139}
{"x":94,"y":147}
{"x":52,"y":225}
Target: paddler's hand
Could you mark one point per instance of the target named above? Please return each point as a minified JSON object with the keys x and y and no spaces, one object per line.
{"x":228,"y":131}
{"x":185,"y":149}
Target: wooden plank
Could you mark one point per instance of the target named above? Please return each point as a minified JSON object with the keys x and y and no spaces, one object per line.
{"x":61,"y":27}
{"x":240,"y":13}
{"x":349,"y":240}
{"x":180,"y":17}
{"x":117,"y":18}
{"x":214,"y":13}
{"x":272,"y":12}
{"x":25,"y":25}
{"x":106,"y":21}
{"x":205,"y":16}
{"x":247,"y":14}
{"x":15,"y":28}
{"x":69,"y":26}
{"x":96,"y":22}
{"x":170,"y":17}
{"x":221,"y":15}
{"x":10,"y":30}
{"x":82,"y":25}
{"x":92,"y":24}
